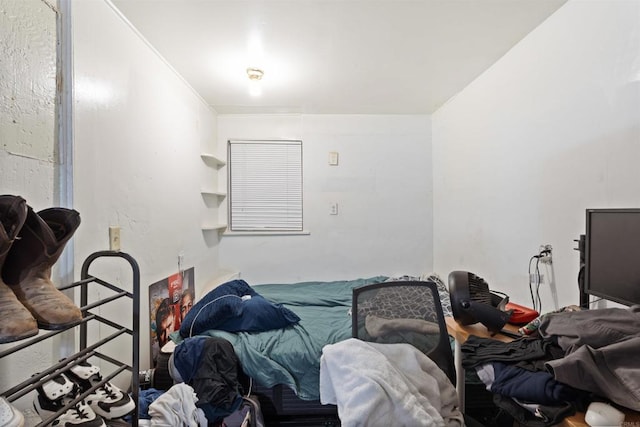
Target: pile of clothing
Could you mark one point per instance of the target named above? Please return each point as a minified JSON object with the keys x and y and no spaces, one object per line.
{"x":206,"y":390}
{"x":572,"y":358}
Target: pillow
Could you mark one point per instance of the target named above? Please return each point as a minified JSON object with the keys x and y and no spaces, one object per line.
{"x":226,"y":304}
{"x":259,"y":314}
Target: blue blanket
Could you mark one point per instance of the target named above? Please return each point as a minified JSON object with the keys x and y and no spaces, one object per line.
{"x":291,"y":355}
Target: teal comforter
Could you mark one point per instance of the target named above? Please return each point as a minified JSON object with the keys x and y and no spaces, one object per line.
{"x":291,"y":356}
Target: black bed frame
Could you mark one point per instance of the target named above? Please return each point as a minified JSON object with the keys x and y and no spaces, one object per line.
{"x":282,"y":407}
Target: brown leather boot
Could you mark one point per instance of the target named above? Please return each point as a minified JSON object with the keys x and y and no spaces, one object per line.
{"x":27,"y":269}
{"x":17,"y":323}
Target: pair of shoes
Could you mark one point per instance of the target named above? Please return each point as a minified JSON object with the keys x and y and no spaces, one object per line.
{"x":56,"y":394}
{"x":107,"y":402}
{"x":30,"y":244}
{"x":10,"y":416}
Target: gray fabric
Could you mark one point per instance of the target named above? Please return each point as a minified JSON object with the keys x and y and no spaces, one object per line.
{"x":596,"y":328}
{"x":612,"y":371}
{"x":601,"y":349}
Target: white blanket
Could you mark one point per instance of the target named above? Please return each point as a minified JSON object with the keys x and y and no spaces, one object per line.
{"x":177,"y":408}
{"x":386,"y":385}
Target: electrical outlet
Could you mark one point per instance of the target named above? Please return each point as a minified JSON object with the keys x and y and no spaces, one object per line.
{"x":545,"y":254}
{"x":545,"y":248}
{"x":114,"y":238}
{"x":334,"y":209}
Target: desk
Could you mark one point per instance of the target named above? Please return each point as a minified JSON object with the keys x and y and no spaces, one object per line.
{"x":461,"y":333}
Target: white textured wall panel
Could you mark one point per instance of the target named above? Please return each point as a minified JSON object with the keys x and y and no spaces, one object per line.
{"x":551,"y":129}
{"x":28,"y":83}
{"x":27,"y":136}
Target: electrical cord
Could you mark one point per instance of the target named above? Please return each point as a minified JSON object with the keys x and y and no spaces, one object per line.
{"x":250,"y":387}
{"x":536,"y":300}
{"x":537,"y":275}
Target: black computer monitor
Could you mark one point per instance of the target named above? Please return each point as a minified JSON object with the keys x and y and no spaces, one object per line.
{"x":612,"y":255}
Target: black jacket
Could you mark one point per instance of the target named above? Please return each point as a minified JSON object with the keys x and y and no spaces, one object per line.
{"x":210,"y":366}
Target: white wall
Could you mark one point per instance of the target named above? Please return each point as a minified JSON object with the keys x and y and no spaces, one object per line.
{"x":382,"y":186}
{"x":139,"y":132}
{"x":28,"y":166}
{"x":551,"y":129}
{"x":27,"y":100}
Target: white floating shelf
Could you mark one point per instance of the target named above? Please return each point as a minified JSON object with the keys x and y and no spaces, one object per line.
{"x":213,"y":159}
{"x":213,"y":193}
{"x":212,"y":227}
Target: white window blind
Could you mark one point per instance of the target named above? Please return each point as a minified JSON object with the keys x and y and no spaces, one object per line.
{"x":265,"y":185}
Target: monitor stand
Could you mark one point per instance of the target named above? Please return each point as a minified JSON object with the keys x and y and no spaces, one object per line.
{"x":584,"y":297}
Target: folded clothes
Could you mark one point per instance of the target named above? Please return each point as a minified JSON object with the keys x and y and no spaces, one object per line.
{"x":478,"y":350}
{"x":538,"y":387}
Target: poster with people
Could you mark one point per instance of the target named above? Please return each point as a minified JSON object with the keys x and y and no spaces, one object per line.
{"x":170,"y":300}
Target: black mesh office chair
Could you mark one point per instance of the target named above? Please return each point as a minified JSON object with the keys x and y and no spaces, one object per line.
{"x":405,"y":312}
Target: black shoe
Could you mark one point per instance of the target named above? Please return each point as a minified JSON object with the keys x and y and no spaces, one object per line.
{"x":108,"y":401}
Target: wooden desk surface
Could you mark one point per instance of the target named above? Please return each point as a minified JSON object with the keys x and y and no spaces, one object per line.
{"x":461,"y":333}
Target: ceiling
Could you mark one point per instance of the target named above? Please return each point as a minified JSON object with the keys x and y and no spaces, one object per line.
{"x":333,"y":56}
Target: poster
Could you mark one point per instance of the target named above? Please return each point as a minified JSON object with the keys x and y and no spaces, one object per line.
{"x":170,"y":300}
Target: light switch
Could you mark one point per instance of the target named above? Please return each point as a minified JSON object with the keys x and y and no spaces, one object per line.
{"x":114,"y":238}
{"x":333,"y":158}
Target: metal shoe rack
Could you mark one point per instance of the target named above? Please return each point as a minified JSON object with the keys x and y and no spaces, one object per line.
{"x":87,"y":350}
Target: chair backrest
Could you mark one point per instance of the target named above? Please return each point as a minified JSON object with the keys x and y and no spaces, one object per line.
{"x":404,"y":312}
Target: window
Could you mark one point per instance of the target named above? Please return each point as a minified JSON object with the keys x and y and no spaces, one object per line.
{"x":265,"y":185}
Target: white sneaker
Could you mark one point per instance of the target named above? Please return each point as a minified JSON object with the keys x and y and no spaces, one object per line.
{"x":10,"y":416}
{"x":51,"y":398}
{"x":108,"y":401}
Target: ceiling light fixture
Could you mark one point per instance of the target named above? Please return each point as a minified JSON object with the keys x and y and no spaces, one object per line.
{"x":255,"y":75}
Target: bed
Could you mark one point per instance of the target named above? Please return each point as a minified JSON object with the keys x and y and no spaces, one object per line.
{"x":283,"y":364}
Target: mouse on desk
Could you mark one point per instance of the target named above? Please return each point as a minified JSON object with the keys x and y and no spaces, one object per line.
{"x":600,"y":414}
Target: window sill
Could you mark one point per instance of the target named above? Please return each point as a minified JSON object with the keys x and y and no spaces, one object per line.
{"x":266,"y":233}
